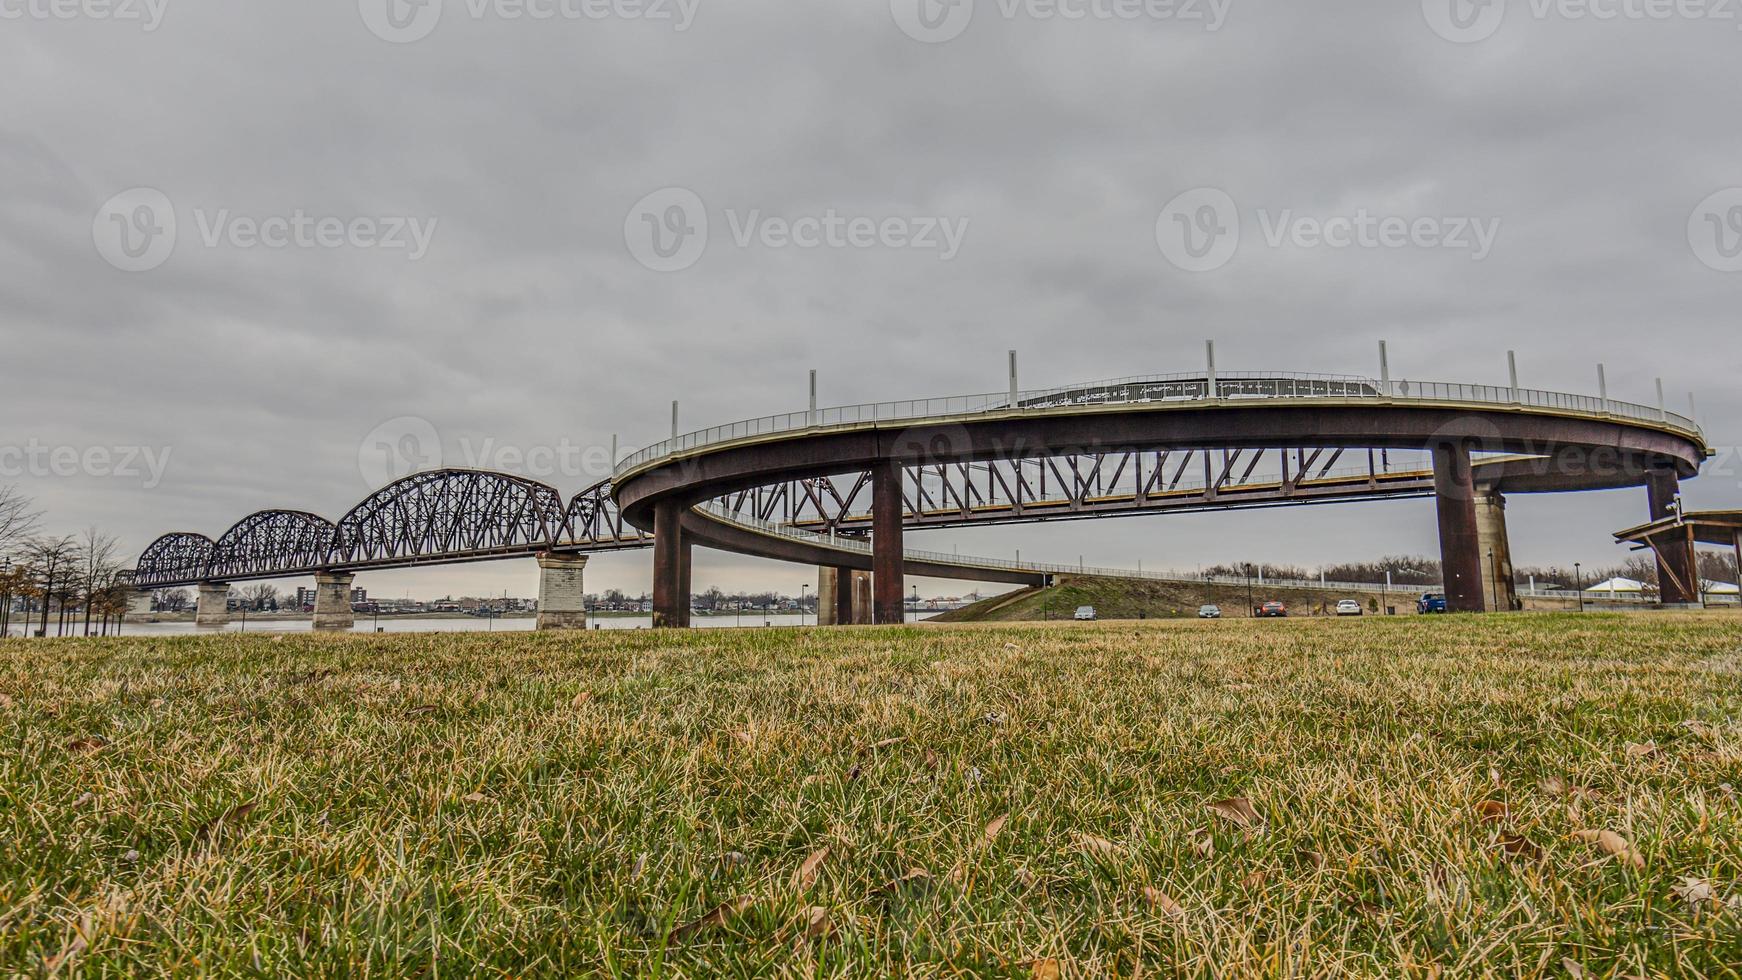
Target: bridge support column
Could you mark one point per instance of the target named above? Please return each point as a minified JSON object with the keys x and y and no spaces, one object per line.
{"x":671,"y":568}
{"x":886,"y":544}
{"x":333,"y":602}
{"x":1678,"y":581}
{"x":213,"y":608}
{"x":1460,"y":541}
{"x":1498,"y":588}
{"x":139,"y":604}
{"x":562,"y":596}
{"x":843,"y":597}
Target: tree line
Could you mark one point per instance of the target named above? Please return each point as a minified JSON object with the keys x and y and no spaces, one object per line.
{"x":74,"y":578}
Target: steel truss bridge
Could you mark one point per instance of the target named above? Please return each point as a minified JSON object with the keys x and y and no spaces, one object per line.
{"x":838,"y":487}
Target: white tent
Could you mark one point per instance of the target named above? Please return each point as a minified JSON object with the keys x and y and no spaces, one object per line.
{"x":1618,"y":586}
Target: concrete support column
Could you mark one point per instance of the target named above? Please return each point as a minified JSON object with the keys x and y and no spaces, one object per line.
{"x":863,"y":599}
{"x":562,"y":595}
{"x":213,"y":608}
{"x":139,"y":604}
{"x":333,"y":602}
{"x":1678,"y":581}
{"x":671,"y":594}
{"x":1460,"y":543}
{"x":835,"y":596}
{"x":886,"y":544}
{"x":1498,"y":587}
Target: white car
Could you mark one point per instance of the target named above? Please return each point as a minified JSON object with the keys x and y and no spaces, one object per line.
{"x":1086,"y":613}
{"x":1349,"y":607}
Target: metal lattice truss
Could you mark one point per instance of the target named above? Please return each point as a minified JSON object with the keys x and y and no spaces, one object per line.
{"x":1092,"y":485}
{"x":454,"y":516}
{"x":438,"y":517}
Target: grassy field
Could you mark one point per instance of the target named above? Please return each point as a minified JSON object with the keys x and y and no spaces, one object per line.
{"x":1524,"y":796}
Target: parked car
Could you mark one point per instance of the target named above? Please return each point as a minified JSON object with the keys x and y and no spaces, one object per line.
{"x":1431,"y":602}
{"x":1209,"y":611}
{"x":1349,"y":607}
{"x":1086,"y":613}
{"x":1274,"y":610}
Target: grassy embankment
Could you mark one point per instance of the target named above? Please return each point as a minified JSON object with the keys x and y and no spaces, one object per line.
{"x":1523,"y":796}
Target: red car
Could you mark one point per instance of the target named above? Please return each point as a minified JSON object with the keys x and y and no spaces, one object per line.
{"x":1274,"y":610}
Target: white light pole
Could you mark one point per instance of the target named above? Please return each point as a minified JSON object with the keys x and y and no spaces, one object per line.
{"x":1384,"y":371}
{"x":1013,"y":386}
{"x":1512,"y":369}
{"x":1210,"y":358}
{"x":1603,"y":387}
{"x":674,"y":420}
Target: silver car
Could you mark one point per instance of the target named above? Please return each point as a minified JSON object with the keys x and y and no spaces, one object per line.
{"x":1209,"y":611}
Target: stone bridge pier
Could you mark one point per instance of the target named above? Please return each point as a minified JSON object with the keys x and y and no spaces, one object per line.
{"x":843,"y":597}
{"x":333,"y":602}
{"x":213,"y":608}
{"x":1499,"y":587}
{"x":562,"y":594}
{"x":139,"y":604}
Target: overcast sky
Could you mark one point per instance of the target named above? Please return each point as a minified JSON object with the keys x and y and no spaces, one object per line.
{"x":541,"y":230}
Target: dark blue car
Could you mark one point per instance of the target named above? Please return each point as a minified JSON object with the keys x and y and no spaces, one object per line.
{"x":1431,"y":602}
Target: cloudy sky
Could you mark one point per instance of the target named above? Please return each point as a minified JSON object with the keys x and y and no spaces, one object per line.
{"x":242,"y":243}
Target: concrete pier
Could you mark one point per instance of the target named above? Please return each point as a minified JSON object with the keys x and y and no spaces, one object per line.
{"x":887,"y":554}
{"x":843,"y":606}
{"x":562,"y":595}
{"x":1499,"y":590}
{"x":671,"y":568}
{"x":213,"y":608}
{"x":1460,"y":542}
{"x":139,"y":605}
{"x":1678,"y":581}
{"x":333,"y":602}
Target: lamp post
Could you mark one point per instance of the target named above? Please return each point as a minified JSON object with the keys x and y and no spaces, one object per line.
{"x":916,"y":603}
{"x":1251,"y":609}
{"x":1494,"y":571}
{"x":1579,"y":583}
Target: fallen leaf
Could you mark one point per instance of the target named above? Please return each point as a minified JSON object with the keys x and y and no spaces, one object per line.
{"x":84,"y":745}
{"x":1573,"y":968}
{"x":1694,"y":891}
{"x":1204,"y":847}
{"x":233,"y":815}
{"x":1612,"y":844}
{"x":816,"y":924}
{"x":815,"y":777}
{"x":746,"y":737}
{"x":1556,"y":786}
{"x":422,"y":709}
{"x":994,"y":827}
{"x":1493,"y":811}
{"x":1099,"y":845}
{"x":715,"y":918}
{"x":806,"y":875}
{"x":1519,"y":846}
{"x":1313,"y":858}
{"x":1237,"y":810}
{"x":1253,"y":882}
{"x":886,"y":743}
{"x":1044,"y":970}
{"x":475,"y":798}
{"x":5,"y":702}
{"x":1162,"y":902}
{"x":581,"y":699}
{"x":1641,"y":751}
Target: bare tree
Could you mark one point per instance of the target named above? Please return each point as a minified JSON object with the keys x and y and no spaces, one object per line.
{"x":172,"y":600}
{"x":98,"y":568}
{"x":262,"y":597}
{"x":18,"y":521}
{"x":51,"y":561}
